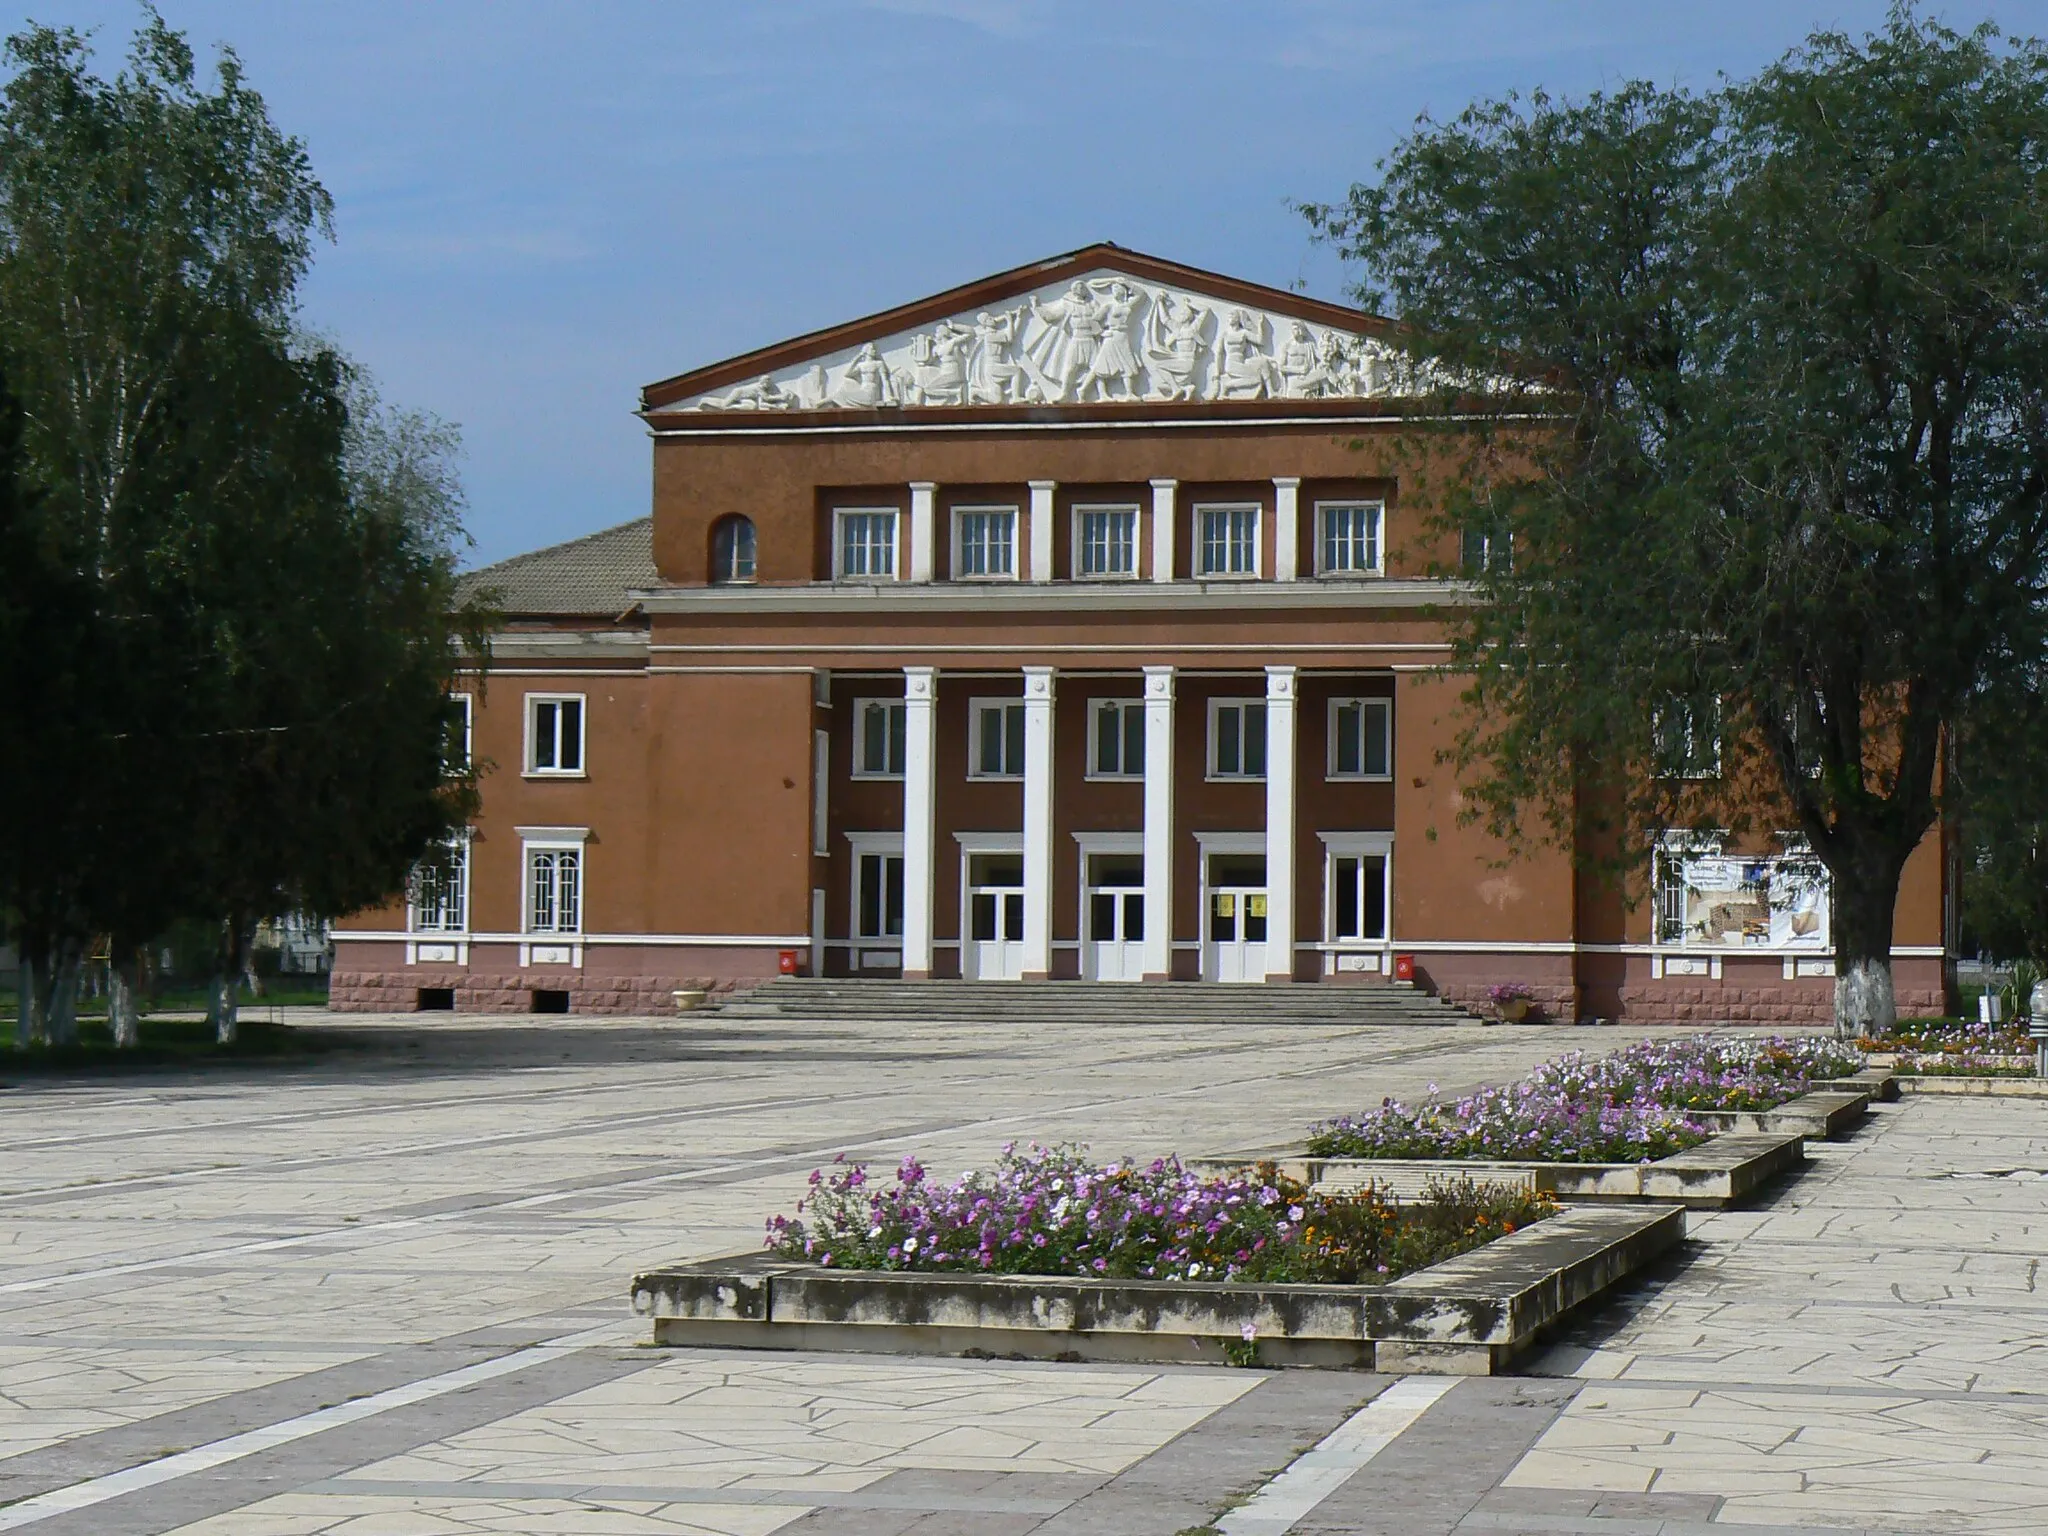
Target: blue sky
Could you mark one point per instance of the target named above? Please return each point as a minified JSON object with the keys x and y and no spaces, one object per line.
{"x":541,"y":207}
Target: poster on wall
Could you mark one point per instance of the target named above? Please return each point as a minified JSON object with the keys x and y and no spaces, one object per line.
{"x":1731,"y":901}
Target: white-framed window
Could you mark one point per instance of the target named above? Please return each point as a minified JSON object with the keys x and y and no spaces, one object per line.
{"x":995,"y":739}
{"x":1237,"y":738}
{"x":877,"y":892}
{"x":1350,"y":543}
{"x":864,"y":543}
{"x":554,"y":734}
{"x":437,"y":898}
{"x":1361,"y":738}
{"x":984,"y":543}
{"x":1687,"y":738}
{"x":1486,"y":548}
{"x":1105,"y":543}
{"x":1227,"y":540}
{"x":1356,"y":902}
{"x":460,"y":752}
{"x":1116,"y":739}
{"x":878,"y":726}
{"x":554,"y":888}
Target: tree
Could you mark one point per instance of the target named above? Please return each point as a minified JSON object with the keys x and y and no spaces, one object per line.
{"x":247,"y":589}
{"x":2001,"y":780}
{"x":1763,"y":412}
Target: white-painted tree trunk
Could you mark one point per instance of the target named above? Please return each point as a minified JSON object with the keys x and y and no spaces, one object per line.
{"x":61,"y":1022}
{"x":123,"y":1018}
{"x":1865,"y":1003}
{"x":28,"y":1027}
{"x":222,"y":1008}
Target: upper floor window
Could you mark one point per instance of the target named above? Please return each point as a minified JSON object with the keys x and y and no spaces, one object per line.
{"x":1361,"y":738}
{"x":554,"y":890}
{"x":455,"y":757}
{"x":996,"y":739}
{"x":1237,"y":738}
{"x":1686,"y":736}
{"x":984,"y":543}
{"x":878,"y":737}
{"x":1351,"y":537}
{"x":732,"y":549}
{"x":1227,"y":541}
{"x":1105,"y":542}
{"x":864,"y":548}
{"x":1118,"y":747}
{"x":438,"y":901}
{"x":554,"y":733}
{"x":1486,"y":550}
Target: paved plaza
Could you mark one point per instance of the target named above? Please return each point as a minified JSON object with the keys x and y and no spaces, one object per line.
{"x":382,"y":1293}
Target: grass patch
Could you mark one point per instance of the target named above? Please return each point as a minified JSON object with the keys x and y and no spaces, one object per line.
{"x":170,"y":1042}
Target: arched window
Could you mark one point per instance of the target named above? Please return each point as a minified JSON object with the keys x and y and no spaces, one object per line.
{"x":732,"y":549}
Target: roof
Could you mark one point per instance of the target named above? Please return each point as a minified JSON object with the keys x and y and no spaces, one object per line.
{"x":990,"y":290}
{"x":593,"y":575}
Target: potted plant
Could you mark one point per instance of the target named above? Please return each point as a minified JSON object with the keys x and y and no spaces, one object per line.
{"x":1512,"y":1000}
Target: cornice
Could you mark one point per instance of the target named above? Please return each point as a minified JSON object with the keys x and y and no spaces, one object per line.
{"x":1063,"y":597}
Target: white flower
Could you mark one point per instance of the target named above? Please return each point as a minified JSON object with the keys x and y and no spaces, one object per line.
{"x":1194,"y":1271}
{"x":1249,"y":1332}
{"x":875,"y":1231}
{"x":910,"y":1245}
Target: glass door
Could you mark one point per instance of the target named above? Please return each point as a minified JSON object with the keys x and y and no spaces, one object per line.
{"x":1113,"y":907}
{"x":994,"y":946}
{"x":1234,"y":931}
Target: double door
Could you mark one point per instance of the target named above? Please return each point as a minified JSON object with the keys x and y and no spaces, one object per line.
{"x":1113,"y":916}
{"x":1234,"y":922}
{"x":993,"y":949}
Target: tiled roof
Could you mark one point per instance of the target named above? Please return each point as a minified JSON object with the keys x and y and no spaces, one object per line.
{"x":590,"y":575}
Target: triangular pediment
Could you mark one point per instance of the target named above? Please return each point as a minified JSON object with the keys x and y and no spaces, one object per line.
{"x":1103,"y":326}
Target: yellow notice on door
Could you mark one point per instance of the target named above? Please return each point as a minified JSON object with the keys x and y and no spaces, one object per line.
{"x":1255,"y":906}
{"x":1226,"y":904}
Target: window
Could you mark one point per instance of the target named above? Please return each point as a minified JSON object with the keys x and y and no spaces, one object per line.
{"x":878,"y":739}
{"x":732,"y":549}
{"x":984,"y":543}
{"x":1686,"y":736}
{"x":439,"y":897}
{"x":554,"y":889}
{"x":1351,"y":537}
{"x":1361,"y":738}
{"x":1237,"y":739}
{"x":1105,"y":542}
{"x":1486,"y":550}
{"x":878,"y":896}
{"x":866,"y":546}
{"x":996,"y":748}
{"x":1229,"y":540}
{"x":456,"y":756}
{"x":554,"y":734}
{"x":1118,"y":739}
{"x":1358,"y":897}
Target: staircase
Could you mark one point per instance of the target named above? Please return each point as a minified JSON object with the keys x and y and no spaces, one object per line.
{"x":1190,"y":1003}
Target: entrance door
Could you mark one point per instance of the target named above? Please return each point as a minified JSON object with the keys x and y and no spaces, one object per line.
{"x":1234,"y":948}
{"x":994,"y":947}
{"x":1114,"y":905}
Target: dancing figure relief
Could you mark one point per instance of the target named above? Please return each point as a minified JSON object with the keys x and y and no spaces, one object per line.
{"x":1173,"y":347}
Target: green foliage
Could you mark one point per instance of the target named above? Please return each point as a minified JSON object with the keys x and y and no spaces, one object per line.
{"x":1761,"y":382}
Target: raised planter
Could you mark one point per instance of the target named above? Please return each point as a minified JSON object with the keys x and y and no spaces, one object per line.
{"x":1466,"y":1316}
{"x":1990,"y":1087}
{"x":1830,"y":1113}
{"x":1875,"y":1080}
{"x":1722,"y":1171}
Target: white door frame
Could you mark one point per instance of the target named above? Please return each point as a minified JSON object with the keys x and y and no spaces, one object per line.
{"x":877,"y":953}
{"x":1226,"y":843}
{"x":1355,"y":954}
{"x":1129,"y":844}
{"x":1006,"y":844}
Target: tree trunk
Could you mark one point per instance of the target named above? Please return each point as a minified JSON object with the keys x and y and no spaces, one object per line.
{"x":1866,"y":898}
{"x":123,"y":981}
{"x":28,"y":1006}
{"x":221,"y":1007}
{"x":61,"y":1018}
{"x":238,"y":941}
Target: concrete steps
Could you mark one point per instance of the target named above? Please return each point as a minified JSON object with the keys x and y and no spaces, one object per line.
{"x":1069,"y":1002}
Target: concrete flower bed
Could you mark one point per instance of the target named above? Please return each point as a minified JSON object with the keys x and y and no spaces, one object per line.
{"x":1470,"y":1314}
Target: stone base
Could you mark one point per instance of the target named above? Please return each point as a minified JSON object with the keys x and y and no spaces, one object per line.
{"x":399,"y":991}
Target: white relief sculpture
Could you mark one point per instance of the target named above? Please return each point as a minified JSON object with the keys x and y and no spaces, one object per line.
{"x":1173,"y":347}
{"x":1101,"y":337}
{"x":1243,"y":370}
{"x":867,"y":384}
{"x":762,"y":394}
{"x":996,"y":378}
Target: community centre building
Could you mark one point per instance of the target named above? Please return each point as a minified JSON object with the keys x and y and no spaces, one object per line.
{"x":1075,"y":623}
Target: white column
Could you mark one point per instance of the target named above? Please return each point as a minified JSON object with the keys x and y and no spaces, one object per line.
{"x":1038,"y":696}
{"x":1279,"y":823}
{"x":1162,"y":529}
{"x":921,"y":499}
{"x":1041,"y":529}
{"x":920,"y":695}
{"x":1158,"y":823}
{"x":1286,"y":527}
